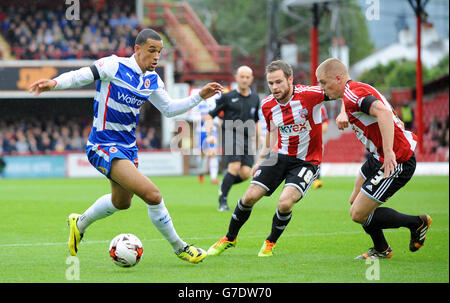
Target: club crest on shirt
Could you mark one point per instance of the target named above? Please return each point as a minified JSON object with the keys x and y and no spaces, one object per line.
{"x":112,"y":150}
{"x":147,"y":83}
{"x":304,"y":113}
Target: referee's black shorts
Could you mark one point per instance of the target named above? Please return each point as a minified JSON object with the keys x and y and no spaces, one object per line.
{"x":241,"y":154}
{"x":276,"y":168}
{"x":238,"y":150}
{"x":377,"y":187}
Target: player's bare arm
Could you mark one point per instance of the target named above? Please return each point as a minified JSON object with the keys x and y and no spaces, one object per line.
{"x":41,"y":85}
{"x":270,"y":142}
{"x":342,"y":118}
{"x":74,"y":78}
{"x":386,"y":125}
{"x":210,"y":90}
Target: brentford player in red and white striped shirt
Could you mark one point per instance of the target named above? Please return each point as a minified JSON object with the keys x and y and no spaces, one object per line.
{"x":293,"y":116}
{"x":358,"y":98}
{"x":298,"y":122}
{"x":389,"y":167}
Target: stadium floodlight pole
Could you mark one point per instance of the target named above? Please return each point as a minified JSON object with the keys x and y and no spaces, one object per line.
{"x":273,"y":42}
{"x":314,"y":44}
{"x":419,"y":9}
{"x":314,"y":32}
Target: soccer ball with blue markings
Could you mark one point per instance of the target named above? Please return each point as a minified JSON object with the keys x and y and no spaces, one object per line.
{"x":126,"y":250}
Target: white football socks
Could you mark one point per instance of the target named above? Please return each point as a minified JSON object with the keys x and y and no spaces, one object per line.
{"x":213,"y":167}
{"x":102,"y":208}
{"x":160,"y":217}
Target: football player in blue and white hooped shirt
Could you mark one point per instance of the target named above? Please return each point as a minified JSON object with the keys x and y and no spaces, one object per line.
{"x":123,"y":85}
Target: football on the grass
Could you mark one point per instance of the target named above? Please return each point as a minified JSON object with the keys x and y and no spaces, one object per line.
{"x":126,"y":250}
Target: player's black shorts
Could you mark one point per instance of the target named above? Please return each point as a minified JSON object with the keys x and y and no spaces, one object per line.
{"x":379,"y":188}
{"x":298,"y":173}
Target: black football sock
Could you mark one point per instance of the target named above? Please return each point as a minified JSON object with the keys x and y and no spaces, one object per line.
{"x":385,"y":217}
{"x":237,"y":179}
{"x":279,"y":223}
{"x":227,"y":182}
{"x":378,"y":239}
{"x":240,"y":216}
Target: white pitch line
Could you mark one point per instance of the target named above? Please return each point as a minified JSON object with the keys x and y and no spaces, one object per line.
{"x":337,"y":233}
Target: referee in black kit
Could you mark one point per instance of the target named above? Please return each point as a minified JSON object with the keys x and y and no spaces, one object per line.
{"x":239,"y":128}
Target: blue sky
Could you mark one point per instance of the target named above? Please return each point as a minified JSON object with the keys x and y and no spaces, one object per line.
{"x":384,"y":30}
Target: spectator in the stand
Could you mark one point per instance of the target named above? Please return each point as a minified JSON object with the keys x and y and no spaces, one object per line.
{"x":10,"y":146}
{"x":446,"y":138}
{"x":2,"y":140}
{"x":434,"y":125}
{"x":37,"y":135}
{"x":33,"y":145}
{"x":145,"y":143}
{"x":407,"y":113}
{"x":22,"y":146}
{"x":59,"y":145}
{"x":153,"y":138}
{"x":76,"y":143}
{"x":437,"y":132}
{"x":147,"y":138}
{"x":2,"y":166}
{"x":45,"y":145}
{"x":442,"y":146}
{"x":443,"y":136}
{"x":42,"y":31}
{"x":65,"y":135}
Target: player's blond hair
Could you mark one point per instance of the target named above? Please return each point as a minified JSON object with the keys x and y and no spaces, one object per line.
{"x":332,"y":66}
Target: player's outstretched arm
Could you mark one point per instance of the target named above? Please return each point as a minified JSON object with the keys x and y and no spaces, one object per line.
{"x":210,"y":90}
{"x":41,"y":85}
{"x":171,"y":108}
{"x":75,"y":78}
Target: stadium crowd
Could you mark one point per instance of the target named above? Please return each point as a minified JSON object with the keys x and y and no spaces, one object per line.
{"x":33,"y":135}
{"x":439,"y":134}
{"x":35,"y":32}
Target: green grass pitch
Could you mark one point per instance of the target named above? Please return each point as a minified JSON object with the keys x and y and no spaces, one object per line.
{"x":318,"y":245}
